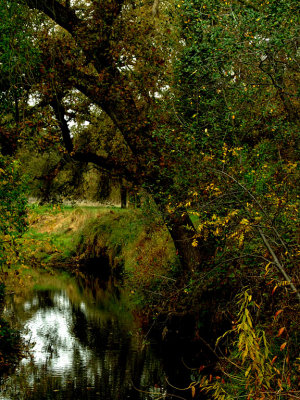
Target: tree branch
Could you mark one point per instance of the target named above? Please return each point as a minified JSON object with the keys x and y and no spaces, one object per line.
{"x":108,"y":90}
{"x":62,"y":15}
{"x":111,"y":165}
{"x":277,"y":263}
{"x":98,"y":29}
{"x":59,"y":111}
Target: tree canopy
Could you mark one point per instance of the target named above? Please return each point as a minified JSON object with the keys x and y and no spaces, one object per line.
{"x":194,"y":101}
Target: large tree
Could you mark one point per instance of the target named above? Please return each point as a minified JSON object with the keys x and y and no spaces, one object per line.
{"x":117,"y":55}
{"x":196,"y":129}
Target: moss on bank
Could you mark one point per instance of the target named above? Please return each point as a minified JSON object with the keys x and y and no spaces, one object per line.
{"x":137,"y":246}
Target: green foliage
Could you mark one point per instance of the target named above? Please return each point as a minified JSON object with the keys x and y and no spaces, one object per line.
{"x":236,"y":87}
{"x":13,"y":204}
{"x":18,"y":61}
{"x":208,"y":126}
{"x":236,"y":100}
{"x":17,"y":53}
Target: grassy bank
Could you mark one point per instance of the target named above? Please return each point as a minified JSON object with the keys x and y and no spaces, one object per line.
{"x":136,"y":245}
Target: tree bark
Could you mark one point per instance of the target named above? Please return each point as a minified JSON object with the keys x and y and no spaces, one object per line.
{"x":123,"y":193}
{"x":182,"y":232}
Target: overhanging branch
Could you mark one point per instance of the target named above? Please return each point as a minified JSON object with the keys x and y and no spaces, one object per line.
{"x":109,"y":164}
{"x":62,"y":15}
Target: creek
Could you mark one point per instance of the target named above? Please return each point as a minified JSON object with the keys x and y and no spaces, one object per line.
{"x":84,"y":343}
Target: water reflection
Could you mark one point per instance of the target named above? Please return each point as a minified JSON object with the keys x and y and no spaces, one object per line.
{"x":80,"y":350}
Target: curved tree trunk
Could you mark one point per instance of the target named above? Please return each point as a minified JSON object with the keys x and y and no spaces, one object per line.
{"x":183,"y":233}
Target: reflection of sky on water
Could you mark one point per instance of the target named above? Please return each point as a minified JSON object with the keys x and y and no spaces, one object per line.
{"x":77,"y":352}
{"x":50,"y":332}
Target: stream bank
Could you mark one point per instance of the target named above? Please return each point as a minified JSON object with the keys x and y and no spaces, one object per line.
{"x":133,"y":247}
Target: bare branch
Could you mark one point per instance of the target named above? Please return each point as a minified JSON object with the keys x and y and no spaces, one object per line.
{"x":277,"y":263}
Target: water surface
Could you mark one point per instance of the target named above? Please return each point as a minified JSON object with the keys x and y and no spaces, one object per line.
{"x":84,"y":344}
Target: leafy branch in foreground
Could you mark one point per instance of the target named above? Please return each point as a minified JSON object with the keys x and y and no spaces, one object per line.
{"x":255,"y":367}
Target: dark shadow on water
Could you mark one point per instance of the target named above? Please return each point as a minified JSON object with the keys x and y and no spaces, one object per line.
{"x":86,"y":345}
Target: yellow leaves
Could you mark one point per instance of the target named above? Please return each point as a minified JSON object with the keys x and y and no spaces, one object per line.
{"x":214,"y":189}
{"x":195,"y":243}
{"x":170,"y":209}
{"x":274,"y":289}
{"x":290,"y":166}
{"x":257,"y":218}
{"x":241,"y":240}
{"x":207,"y":158}
{"x":233,"y":213}
{"x":235,"y":150}
{"x":253,"y":346}
{"x":267,"y":267}
{"x":6,"y":238}
{"x":283,"y":283}
{"x":274,"y":359}
{"x":244,"y":221}
{"x":200,"y":227}
{"x":217,"y":231}
{"x":193,"y":389}
{"x":256,"y":369}
{"x":217,"y":224}
{"x":248,"y":370}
